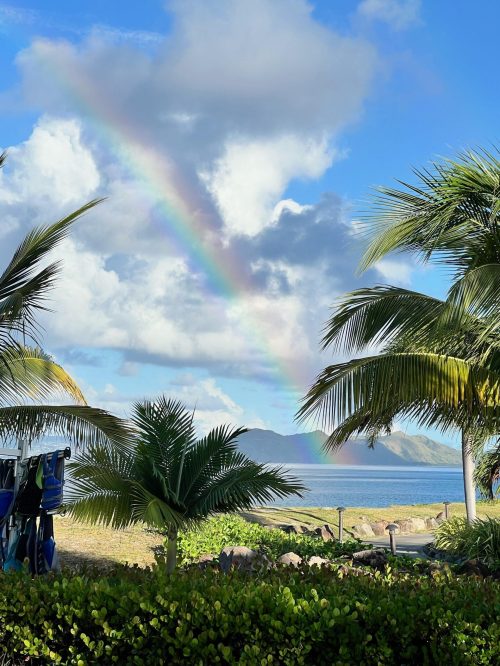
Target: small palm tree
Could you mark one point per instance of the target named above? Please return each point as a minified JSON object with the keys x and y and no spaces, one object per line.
{"x":167,"y":479}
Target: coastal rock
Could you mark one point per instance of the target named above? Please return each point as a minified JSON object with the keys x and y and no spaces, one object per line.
{"x":363,"y":530}
{"x":375,"y":557}
{"x":325,"y":532}
{"x":243,"y":558}
{"x":316,"y":561}
{"x":290,"y":559}
{"x":431,"y":523}
{"x":379,"y":527}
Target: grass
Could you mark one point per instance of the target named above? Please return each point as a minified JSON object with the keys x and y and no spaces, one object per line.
{"x":355,"y":515}
{"x":80,"y":543}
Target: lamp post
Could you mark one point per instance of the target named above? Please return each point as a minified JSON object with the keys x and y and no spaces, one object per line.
{"x":446,"y":510}
{"x":341,"y":510}
{"x":392,"y":527}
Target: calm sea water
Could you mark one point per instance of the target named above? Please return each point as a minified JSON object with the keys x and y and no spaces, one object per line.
{"x":349,"y":485}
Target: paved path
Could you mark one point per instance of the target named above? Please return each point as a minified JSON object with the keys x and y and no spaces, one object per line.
{"x":406,"y":544}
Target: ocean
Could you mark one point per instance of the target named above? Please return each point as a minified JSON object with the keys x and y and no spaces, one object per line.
{"x":351,"y":485}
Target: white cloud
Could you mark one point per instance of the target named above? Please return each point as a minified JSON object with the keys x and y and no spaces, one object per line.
{"x":394,"y":271}
{"x":52,"y":166}
{"x":249,"y":179}
{"x":399,"y":14}
{"x":250,"y":99}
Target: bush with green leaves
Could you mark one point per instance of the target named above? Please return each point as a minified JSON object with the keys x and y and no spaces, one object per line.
{"x":479,"y":539}
{"x":221,"y":531}
{"x":321,"y":617}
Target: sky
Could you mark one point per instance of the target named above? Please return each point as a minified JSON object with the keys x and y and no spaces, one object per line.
{"x":236,"y":144}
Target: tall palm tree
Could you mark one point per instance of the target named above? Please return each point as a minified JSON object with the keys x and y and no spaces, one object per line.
{"x":27,"y":374}
{"x":439,"y":361}
{"x":168,"y":479}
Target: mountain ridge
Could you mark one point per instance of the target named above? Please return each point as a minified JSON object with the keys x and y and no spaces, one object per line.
{"x":396,"y":449}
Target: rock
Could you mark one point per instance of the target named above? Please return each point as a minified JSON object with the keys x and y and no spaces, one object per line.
{"x":474,"y":567}
{"x":295,"y":529}
{"x":431,"y":523}
{"x":379,"y":527}
{"x":404,"y":524}
{"x":375,"y":557}
{"x":316,"y":561}
{"x":290,"y":559}
{"x":205,"y":560}
{"x":325,"y":532}
{"x":243,"y":558}
{"x":363,"y":530}
{"x":440,"y":518}
{"x":417,"y":524}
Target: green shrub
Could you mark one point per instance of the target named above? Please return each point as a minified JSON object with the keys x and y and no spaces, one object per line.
{"x":217,"y":533}
{"x":146,"y":617}
{"x":480,"y":539}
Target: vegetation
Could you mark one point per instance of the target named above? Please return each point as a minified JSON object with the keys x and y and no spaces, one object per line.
{"x":167,"y":479}
{"x":27,"y":373}
{"x":222,"y":531}
{"x":135,"y":616}
{"x":480,"y":540}
{"x":487,"y":473}
{"x":439,"y":362}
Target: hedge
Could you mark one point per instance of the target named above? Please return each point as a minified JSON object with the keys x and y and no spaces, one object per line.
{"x":318,"y":617}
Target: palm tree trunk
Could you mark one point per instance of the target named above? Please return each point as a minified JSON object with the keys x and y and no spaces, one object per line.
{"x":171,"y":549}
{"x":468,"y":471}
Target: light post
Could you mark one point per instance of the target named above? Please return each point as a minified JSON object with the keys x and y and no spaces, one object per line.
{"x":341,"y":510}
{"x":446,"y":510}
{"x":392,"y":527}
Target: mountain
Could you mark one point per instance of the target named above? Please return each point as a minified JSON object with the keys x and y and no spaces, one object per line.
{"x":397,"y":448}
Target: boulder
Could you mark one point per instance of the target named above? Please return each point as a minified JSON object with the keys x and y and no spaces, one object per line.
{"x":417,"y":524}
{"x":325,"y":532}
{"x":205,"y":560}
{"x":474,"y":567}
{"x":431,"y":523}
{"x":243,"y":558}
{"x":294,"y":529}
{"x":316,"y":561}
{"x":375,"y":557}
{"x":404,"y":524}
{"x":379,"y":527}
{"x":363,"y":530}
{"x":290,"y":560}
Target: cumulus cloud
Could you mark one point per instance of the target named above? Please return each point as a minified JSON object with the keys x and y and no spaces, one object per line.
{"x":243,"y":102}
{"x":399,"y":14}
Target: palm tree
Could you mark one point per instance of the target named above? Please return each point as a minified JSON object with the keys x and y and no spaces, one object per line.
{"x":439,"y":362}
{"x":26,"y":372}
{"x":487,"y":472}
{"x":167,"y":479}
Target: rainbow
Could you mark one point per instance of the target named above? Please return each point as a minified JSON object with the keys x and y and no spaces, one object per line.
{"x":183,"y":220}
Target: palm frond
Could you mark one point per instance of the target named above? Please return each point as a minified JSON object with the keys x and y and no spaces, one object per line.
{"x":454,"y":202}
{"x":30,"y":373}
{"x":81,"y":425}
{"x":389,"y":383}
{"x":22,"y":289}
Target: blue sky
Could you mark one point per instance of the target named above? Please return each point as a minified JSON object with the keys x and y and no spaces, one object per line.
{"x":251,"y":131}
